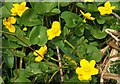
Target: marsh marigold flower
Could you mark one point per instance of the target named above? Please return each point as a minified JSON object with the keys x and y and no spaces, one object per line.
{"x":87,"y":15}
{"x":42,"y":51}
{"x":8,"y":23}
{"x":54,"y":31}
{"x":107,"y":9}
{"x":19,"y":9}
{"x":86,"y":70}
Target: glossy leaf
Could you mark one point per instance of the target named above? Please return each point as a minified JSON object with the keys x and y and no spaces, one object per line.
{"x":38,"y":35}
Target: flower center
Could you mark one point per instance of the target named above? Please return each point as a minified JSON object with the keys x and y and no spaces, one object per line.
{"x":87,"y":69}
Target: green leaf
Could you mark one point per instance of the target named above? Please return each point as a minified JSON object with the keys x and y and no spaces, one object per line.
{"x":38,"y":35}
{"x":79,"y":31}
{"x":63,"y":4}
{"x":6,"y":9}
{"x":43,"y":66}
{"x":55,"y":11}
{"x":1,"y":80}
{"x":98,"y":34}
{"x":29,"y":18}
{"x":34,"y":68}
{"x":93,"y":53}
{"x":9,"y":44}
{"x":8,"y":57}
{"x":70,"y":18}
{"x":92,"y":7}
{"x":44,"y":7}
{"x":81,"y":5}
{"x":23,"y":79}
{"x":101,"y":20}
{"x":23,"y":40}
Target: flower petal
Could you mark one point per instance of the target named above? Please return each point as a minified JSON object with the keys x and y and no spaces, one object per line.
{"x":38,"y":59}
{"x":11,"y":29}
{"x":81,"y":12}
{"x":79,"y":70}
{"x":35,"y":52}
{"x":87,"y":15}
{"x":84,"y":63}
{"x":86,"y":76}
{"x":112,"y":7}
{"x":107,"y":4}
{"x":94,"y":71}
{"x":92,"y":63}
{"x":80,"y":77}
{"x":12,"y":20}
{"x":56,"y":24}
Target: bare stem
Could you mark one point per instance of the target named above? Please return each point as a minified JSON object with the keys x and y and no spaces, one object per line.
{"x":60,"y":65}
{"x":116,"y":15}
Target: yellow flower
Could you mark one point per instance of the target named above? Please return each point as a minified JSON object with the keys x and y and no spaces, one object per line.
{"x":86,"y":70}
{"x":42,"y":51}
{"x":19,"y":9}
{"x":8,"y":23}
{"x":87,"y":15}
{"x":54,"y":31}
{"x":88,"y":0}
{"x":25,"y":29}
{"x":107,"y":9}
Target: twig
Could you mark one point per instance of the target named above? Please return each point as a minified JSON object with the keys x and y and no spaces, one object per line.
{"x":60,"y":65}
{"x":112,"y":32}
{"x":116,"y":15}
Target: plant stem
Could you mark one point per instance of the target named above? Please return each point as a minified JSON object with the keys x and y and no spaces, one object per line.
{"x":69,"y":44}
{"x":116,"y":15}
{"x":53,"y":76}
{"x":60,"y":65}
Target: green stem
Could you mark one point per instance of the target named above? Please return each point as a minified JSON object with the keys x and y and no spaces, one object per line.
{"x":69,"y":44}
{"x":53,"y":76}
{"x":53,"y":59}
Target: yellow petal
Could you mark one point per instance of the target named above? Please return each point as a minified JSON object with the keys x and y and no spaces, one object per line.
{"x":84,"y":63}
{"x":107,"y":4}
{"x":109,"y":11}
{"x":12,"y":20}
{"x":4,"y":21}
{"x":23,"y":4}
{"x":49,"y":34}
{"x":56,"y":24}
{"x":13,"y":11}
{"x":87,"y":15}
{"x":81,"y":12}
{"x":91,"y":18}
{"x":11,"y":28}
{"x":43,"y":50}
{"x":102,"y":10}
{"x":35,"y":52}
{"x":16,"y":5}
{"x":38,"y":59}
{"x":94,"y":71}
{"x":86,"y":76}
{"x":92,"y":63}
{"x":80,"y":70}
{"x":112,"y":7}
{"x":80,"y":77}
